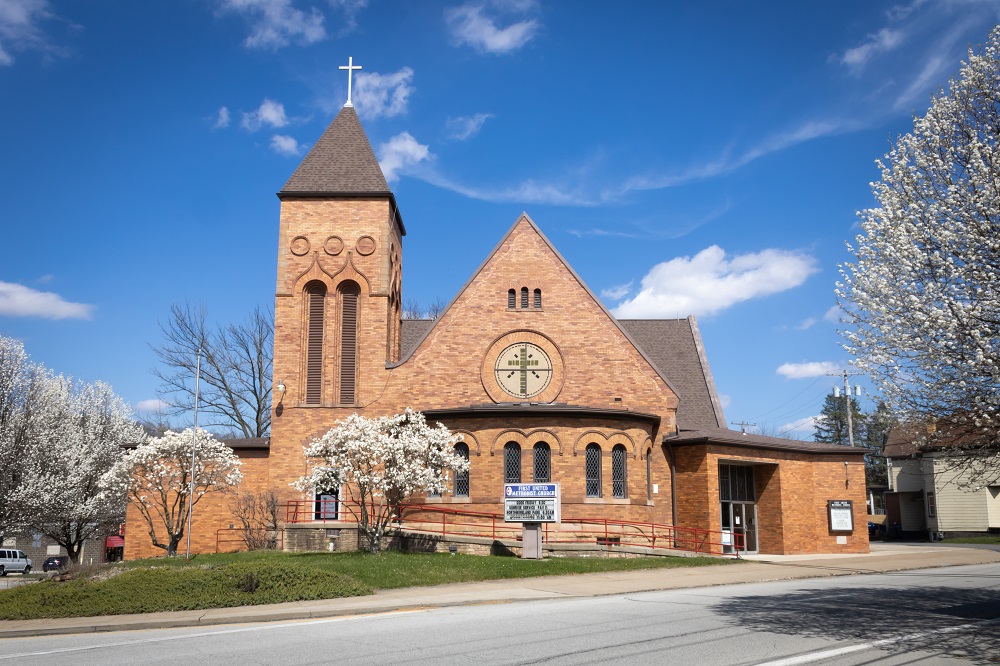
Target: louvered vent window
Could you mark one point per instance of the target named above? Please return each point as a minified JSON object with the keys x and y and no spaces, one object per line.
{"x":511,"y":299}
{"x":619,"y":487}
{"x":316,"y":306}
{"x":349,"y":292}
{"x":538,"y":299}
{"x":462,"y":478}
{"x":593,"y":470}
{"x":511,"y":463}
{"x":524,"y":297}
{"x":543,"y":463}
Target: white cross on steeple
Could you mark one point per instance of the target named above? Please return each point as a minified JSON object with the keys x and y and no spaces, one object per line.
{"x":350,"y":67}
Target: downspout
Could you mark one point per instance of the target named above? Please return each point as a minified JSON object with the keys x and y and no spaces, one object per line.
{"x":673,"y":481}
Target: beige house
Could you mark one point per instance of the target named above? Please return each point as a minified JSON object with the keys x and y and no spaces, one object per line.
{"x":932,"y":494}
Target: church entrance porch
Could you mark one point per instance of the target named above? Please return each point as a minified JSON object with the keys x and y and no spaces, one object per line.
{"x":738,"y":504}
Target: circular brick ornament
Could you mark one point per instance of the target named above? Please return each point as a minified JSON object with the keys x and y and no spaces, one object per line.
{"x":365,"y":245}
{"x":299,"y":246}
{"x":333,"y":246}
{"x":494,"y":370}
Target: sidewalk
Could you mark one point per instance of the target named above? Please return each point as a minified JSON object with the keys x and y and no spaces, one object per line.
{"x":758,"y":568}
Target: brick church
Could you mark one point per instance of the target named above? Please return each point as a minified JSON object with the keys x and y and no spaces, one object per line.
{"x":541,"y":380}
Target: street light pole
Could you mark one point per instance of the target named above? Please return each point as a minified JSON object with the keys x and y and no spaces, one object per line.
{"x":194,"y":443}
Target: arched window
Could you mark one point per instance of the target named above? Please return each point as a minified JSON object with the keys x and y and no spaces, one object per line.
{"x":649,"y":474}
{"x":538,"y":298}
{"x":593,"y":470}
{"x":511,"y":299}
{"x":315,"y":297}
{"x":511,"y":463}
{"x":542,"y":460}
{"x":524,"y":297}
{"x":619,"y":487}
{"x":349,"y":292}
{"x":462,"y":478}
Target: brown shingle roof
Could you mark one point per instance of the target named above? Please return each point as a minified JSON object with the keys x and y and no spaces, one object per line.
{"x":734,"y":438}
{"x":675,"y":347}
{"x":341,"y":162}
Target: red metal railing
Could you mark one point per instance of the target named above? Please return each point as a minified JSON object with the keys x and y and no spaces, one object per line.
{"x":448,"y":520}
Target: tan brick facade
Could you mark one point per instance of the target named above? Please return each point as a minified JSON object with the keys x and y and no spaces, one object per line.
{"x":603,"y":389}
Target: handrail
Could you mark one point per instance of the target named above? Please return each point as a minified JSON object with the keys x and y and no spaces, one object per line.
{"x":572,"y":529}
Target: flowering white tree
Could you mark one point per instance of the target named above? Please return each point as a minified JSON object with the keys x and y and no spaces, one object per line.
{"x":156,"y":477}
{"x":18,"y":394}
{"x":381,"y":462}
{"x":77,"y":433}
{"x":924,"y":293}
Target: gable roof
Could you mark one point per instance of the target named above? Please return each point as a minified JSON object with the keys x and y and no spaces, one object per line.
{"x":523,"y":217}
{"x":340,"y":162}
{"x":675,"y":347}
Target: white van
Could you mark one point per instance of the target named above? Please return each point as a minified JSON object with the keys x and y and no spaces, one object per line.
{"x":13,"y":560}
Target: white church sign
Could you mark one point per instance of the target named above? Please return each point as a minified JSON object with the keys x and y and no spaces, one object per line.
{"x":531,"y":502}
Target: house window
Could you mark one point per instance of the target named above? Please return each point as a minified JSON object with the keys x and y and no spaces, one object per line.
{"x":349,"y":292}
{"x":524,"y":297}
{"x":593,"y":470}
{"x":315,"y":297}
{"x":538,"y":298}
{"x":462,"y":478}
{"x":511,"y":299}
{"x":542,"y":460}
{"x":931,"y":505}
{"x":619,"y":487}
{"x":511,"y":463}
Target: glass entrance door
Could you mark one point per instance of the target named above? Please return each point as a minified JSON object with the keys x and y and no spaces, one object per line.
{"x":739,"y":508}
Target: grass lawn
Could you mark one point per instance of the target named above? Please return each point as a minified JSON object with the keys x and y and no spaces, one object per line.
{"x":979,"y":539}
{"x":244,"y":579}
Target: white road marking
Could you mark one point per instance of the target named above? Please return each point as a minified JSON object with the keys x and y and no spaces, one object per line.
{"x":163,"y":639}
{"x":836,"y":652}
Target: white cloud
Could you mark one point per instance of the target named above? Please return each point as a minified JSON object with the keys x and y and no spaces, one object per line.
{"x":803,"y":427}
{"x":469,"y":24}
{"x":16,"y":300}
{"x":20,"y":29}
{"x":464,"y":127}
{"x":285,"y":145}
{"x":350,"y":10}
{"x":710,"y":282}
{"x":152,"y":405}
{"x":881,"y":42}
{"x":807,"y":324}
{"x":725,"y":400}
{"x":834,"y":314}
{"x":275,"y":23}
{"x":269,"y":113}
{"x":400,"y":152}
{"x":616,"y":293}
{"x":222,"y":119}
{"x":807,"y":370}
{"x":386,"y":95}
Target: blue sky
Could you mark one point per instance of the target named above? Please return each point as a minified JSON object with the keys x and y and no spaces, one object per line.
{"x":701,"y":159}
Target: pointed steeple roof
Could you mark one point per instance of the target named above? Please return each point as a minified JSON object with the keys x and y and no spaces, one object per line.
{"x":342,"y":162}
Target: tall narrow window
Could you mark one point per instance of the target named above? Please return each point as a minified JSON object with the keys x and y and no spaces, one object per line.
{"x":593,"y":470}
{"x":511,"y":299}
{"x":511,"y":463}
{"x":538,"y":298}
{"x":524,"y":297}
{"x":542,"y":459}
{"x":462,"y":478}
{"x":315,"y":296}
{"x":649,"y":474}
{"x":619,"y":486}
{"x":349,"y":292}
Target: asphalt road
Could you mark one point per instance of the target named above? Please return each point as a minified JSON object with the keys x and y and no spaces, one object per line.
{"x":936,"y":616}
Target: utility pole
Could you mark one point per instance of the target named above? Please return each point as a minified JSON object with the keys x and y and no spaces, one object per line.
{"x":194,"y":442}
{"x":847,"y":400}
{"x":743,"y":425}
